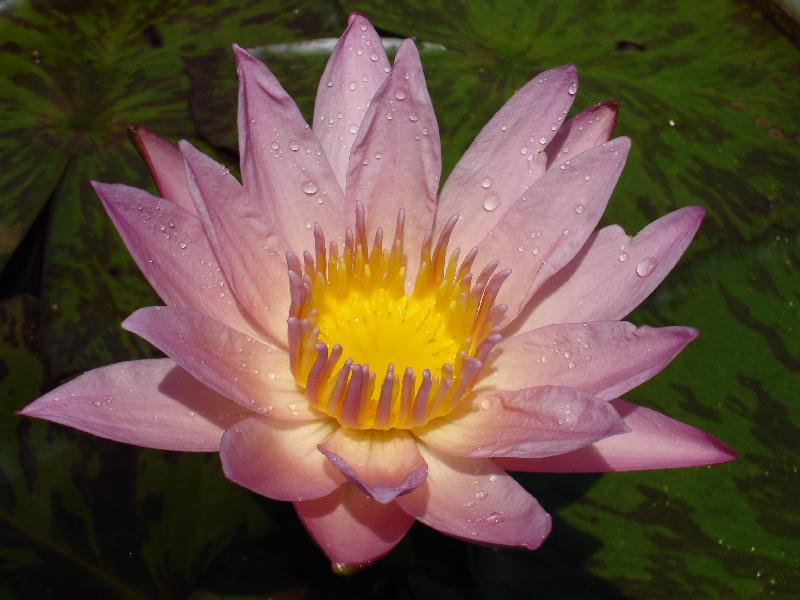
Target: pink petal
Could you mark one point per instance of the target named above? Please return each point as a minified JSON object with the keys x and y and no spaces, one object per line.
{"x":352,"y":529}
{"x":355,"y":71}
{"x":552,"y":220}
{"x":283,"y":164}
{"x":506,"y":155}
{"x":474,"y":500}
{"x":150,"y":403}
{"x":385,"y":464}
{"x":654,"y":442}
{"x":172,"y":250}
{"x":528,"y":423}
{"x":279,"y":459}
{"x":589,"y":128}
{"x":238,"y":366}
{"x":250,"y":250}
{"x":604,"y":359}
{"x":396,"y":162}
{"x":166,"y":164}
{"x":597,"y":286}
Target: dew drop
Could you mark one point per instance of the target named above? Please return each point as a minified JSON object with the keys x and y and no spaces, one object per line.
{"x":645,"y":267}
{"x":534,"y":251}
{"x":363,"y":28}
{"x":587,"y":178}
{"x":491,"y":201}
{"x":182,"y":245}
{"x":523,"y":150}
{"x":580,"y":208}
{"x":271,"y":376}
{"x":486,"y":182}
{"x":294,"y":146}
{"x":353,"y":129}
{"x":373,"y":57}
{"x":274,"y":145}
{"x":389,"y":116}
{"x":310,"y":188}
{"x":481,"y":495}
{"x":493,"y":477}
{"x":494,"y":518}
{"x":504,"y":128}
{"x":542,"y":140}
{"x":378,"y":156}
{"x":413,"y":117}
{"x":308,"y":225}
{"x":623,"y":257}
{"x":400,"y":94}
{"x":330,"y":84}
{"x":572,"y":89}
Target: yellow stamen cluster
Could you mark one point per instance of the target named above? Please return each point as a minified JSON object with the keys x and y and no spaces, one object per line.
{"x":428,"y":345}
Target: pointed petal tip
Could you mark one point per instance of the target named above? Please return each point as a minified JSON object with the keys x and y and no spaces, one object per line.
{"x":546,"y":528}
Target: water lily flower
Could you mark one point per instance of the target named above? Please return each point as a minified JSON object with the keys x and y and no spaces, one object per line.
{"x":375,"y":355}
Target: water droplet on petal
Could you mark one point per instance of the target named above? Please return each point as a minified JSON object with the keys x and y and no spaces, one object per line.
{"x":481,"y":495}
{"x":623,"y":257}
{"x":572,"y":89}
{"x":373,"y":57}
{"x":274,"y":145}
{"x":351,"y":86}
{"x":400,"y":94}
{"x":523,"y":150}
{"x":310,"y":188}
{"x":294,"y":146}
{"x":645,"y":267}
{"x":413,"y":117}
{"x":587,"y":178}
{"x":494,"y":518}
{"x":580,"y":208}
{"x":363,"y":28}
{"x":378,"y":156}
{"x":353,"y":129}
{"x":486,"y":182}
{"x":388,"y":116}
{"x":542,"y":140}
{"x":491,"y":201}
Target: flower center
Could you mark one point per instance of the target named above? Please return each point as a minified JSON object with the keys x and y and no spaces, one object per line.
{"x":426,"y":347}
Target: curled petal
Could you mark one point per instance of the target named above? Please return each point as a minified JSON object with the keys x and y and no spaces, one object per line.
{"x":166,"y":164}
{"x":283,"y":164}
{"x":654,"y":442}
{"x":151,"y":403}
{"x":384,"y":464}
{"x":506,"y":158}
{"x":475,"y":500}
{"x":529,"y":423}
{"x":351,"y":528}
{"x":250,"y":249}
{"x":587,"y":129}
{"x":613,"y":272}
{"x":171,"y":248}
{"x":355,"y":71}
{"x":279,"y":459}
{"x":395,"y":162}
{"x":248,"y":371}
{"x":552,"y":220}
{"x":604,"y":359}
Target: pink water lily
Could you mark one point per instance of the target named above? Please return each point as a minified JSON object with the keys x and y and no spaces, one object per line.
{"x":375,"y":355}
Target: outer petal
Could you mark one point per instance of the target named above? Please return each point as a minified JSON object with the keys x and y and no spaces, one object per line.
{"x":589,"y":128}
{"x":247,"y":371}
{"x":613,"y":273}
{"x":250,"y":249}
{"x":385,"y":464}
{"x":475,"y":500}
{"x":355,"y":71}
{"x":279,"y":459}
{"x":605,"y":359}
{"x":529,"y":423}
{"x":506,"y":155}
{"x":171,"y":249}
{"x":166,"y":164}
{"x":395,"y":161}
{"x":283,"y":164}
{"x":150,"y":403}
{"x":351,"y":528}
{"x":550,"y":223}
{"x":654,"y":442}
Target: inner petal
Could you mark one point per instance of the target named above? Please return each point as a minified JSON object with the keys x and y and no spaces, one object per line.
{"x":374,"y":355}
